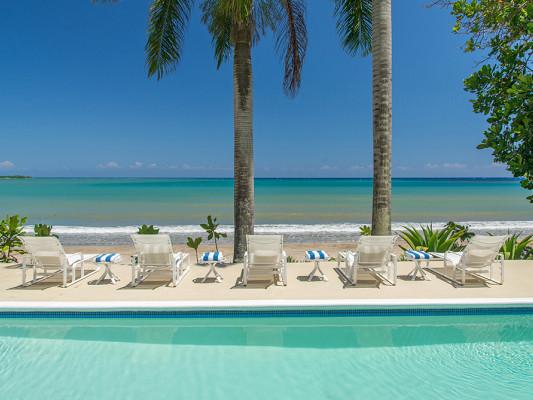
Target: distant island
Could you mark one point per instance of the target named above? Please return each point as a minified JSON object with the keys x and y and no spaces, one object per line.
{"x":14,"y":177}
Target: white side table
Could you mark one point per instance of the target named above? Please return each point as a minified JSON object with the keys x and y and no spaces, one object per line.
{"x":106,"y":259}
{"x":212,"y":258}
{"x":420,"y":257}
{"x":316,"y":256}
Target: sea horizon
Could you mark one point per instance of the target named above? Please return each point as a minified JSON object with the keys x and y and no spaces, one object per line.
{"x":106,"y":210}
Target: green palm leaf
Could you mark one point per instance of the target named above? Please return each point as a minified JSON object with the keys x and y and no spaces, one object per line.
{"x":354,"y":24}
{"x":166,"y":27}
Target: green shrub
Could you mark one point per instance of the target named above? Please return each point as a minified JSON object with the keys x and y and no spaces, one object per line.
{"x":194,"y":244}
{"x":291,"y":259}
{"x":43,"y":230}
{"x":515,"y":248}
{"x":365,"y":230}
{"x":11,"y":228}
{"x":147,"y":230}
{"x":211,"y":230}
{"x":438,"y":240}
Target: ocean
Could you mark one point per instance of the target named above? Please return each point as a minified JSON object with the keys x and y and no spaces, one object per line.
{"x":106,"y":210}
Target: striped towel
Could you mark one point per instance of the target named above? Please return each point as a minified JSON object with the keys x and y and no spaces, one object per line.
{"x":212,"y":256}
{"x":418,"y":255}
{"x":316,"y":255}
{"x":107,"y":257}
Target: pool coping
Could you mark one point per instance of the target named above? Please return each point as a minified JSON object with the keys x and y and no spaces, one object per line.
{"x":110,"y":306}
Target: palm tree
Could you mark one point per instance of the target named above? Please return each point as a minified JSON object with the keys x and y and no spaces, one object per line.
{"x":366,"y":26}
{"x":235,"y":25}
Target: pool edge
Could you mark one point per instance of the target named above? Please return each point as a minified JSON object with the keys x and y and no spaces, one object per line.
{"x":111,"y":306}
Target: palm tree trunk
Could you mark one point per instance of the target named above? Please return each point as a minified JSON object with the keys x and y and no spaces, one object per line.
{"x":243,"y":201}
{"x":382,"y":115}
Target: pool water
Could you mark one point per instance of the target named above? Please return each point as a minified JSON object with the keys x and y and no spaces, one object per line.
{"x":401,"y":357}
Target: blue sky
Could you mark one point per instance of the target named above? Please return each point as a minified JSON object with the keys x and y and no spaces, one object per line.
{"x":75,"y":99}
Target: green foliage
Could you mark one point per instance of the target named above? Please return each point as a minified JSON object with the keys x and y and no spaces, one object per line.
{"x":43,"y":230}
{"x":464,"y":230}
{"x":503,"y":30}
{"x":194,"y":244}
{"x":211,"y":230}
{"x":365,"y":230}
{"x":429,"y":239}
{"x":147,"y":230}
{"x":168,"y":20}
{"x":11,"y":228}
{"x":354,"y":25}
{"x":166,"y":27}
{"x":291,"y":259}
{"x":515,"y":248}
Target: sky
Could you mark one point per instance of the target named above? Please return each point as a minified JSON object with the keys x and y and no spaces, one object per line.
{"x":75,"y":99}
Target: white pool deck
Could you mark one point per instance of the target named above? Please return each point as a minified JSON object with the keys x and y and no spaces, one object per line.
{"x":191,"y":293}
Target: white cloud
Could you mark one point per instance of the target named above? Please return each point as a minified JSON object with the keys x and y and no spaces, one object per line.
{"x":328,"y":168}
{"x":152,"y":165}
{"x":136,"y":165}
{"x":359,"y":167}
{"x":445,"y":166}
{"x":6,"y":164}
{"x":109,"y":165}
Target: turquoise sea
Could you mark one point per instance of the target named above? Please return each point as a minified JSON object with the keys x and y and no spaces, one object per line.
{"x":324,"y":209}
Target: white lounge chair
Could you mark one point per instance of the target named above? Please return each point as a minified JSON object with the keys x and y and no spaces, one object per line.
{"x":265,"y":257}
{"x":480,"y":253}
{"x":46,"y":256}
{"x":373,"y":254}
{"x":155,"y":253}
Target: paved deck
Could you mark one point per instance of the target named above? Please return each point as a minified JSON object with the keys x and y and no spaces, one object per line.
{"x":518,"y":285}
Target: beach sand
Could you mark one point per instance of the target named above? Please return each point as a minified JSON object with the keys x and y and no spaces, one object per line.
{"x":294,"y":250}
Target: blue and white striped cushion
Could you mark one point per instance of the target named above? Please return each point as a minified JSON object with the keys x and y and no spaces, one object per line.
{"x":418,"y":255}
{"x":316,"y":255}
{"x":107,"y":257}
{"x":212,"y":256}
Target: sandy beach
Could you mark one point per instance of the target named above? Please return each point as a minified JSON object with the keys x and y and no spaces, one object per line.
{"x":295,"y":250}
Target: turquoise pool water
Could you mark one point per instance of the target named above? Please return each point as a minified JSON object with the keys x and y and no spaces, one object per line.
{"x":414,"y":357}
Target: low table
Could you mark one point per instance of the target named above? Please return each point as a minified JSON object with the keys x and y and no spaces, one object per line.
{"x":106,"y":259}
{"x":316,"y":256}
{"x":420,"y":257}
{"x":212,"y":258}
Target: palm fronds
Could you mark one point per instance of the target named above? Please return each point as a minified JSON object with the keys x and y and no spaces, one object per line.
{"x":354,"y":25}
{"x":292,"y":40}
{"x":166,"y":27}
{"x":219,"y":25}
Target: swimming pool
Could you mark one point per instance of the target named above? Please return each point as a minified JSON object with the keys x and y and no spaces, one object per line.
{"x":461,"y":355}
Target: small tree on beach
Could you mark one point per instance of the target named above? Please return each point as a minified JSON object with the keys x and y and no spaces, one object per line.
{"x":211,"y":229}
{"x":365,"y":27}
{"x":235,"y":26}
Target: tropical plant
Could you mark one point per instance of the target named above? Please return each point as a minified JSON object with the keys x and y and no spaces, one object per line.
{"x":365,"y":230}
{"x":194,"y":244}
{"x":365,"y":26}
{"x":429,"y":239}
{"x":147,"y":230}
{"x":502,"y":32}
{"x":235,"y":26}
{"x":291,"y":259}
{"x":466,"y":233}
{"x":515,"y":248}
{"x":11,"y":228}
{"x":211,"y":230}
{"x":43,"y":230}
